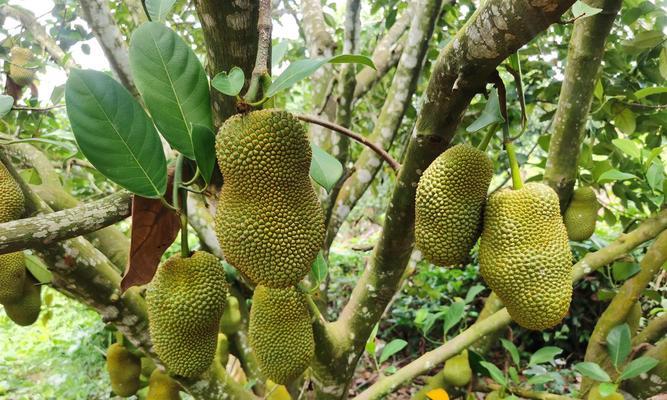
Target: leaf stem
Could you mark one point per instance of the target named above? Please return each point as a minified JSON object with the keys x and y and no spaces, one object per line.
{"x":263,"y":50}
{"x":514,"y":165}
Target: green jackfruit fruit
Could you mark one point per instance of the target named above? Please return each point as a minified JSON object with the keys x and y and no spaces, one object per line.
{"x":25,"y":310}
{"x":280,"y":333}
{"x":222,"y":350}
{"x":457,"y":370}
{"x":162,"y":387}
{"x":12,"y":277}
{"x":269,"y":221}
{"x":449,"y":204}
{"x":230,"y":322}
{"x":12,"y":201}
{"x":147,"y":366}
{"x":634,"y":317}
{"x":124,"y":370}
{"x":525,"y":257}
{"x":594,"y":394}
{"x":581,"y":214}
{"x":19,"y":57}
{"x":185,"y":301}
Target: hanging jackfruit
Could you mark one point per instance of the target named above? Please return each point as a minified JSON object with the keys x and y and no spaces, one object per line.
{"x":25,"y":310}
{"x":280,"y":333}
{"x":594,"y":394}
{"x":457,"y":370}
{"x":162,"y":387}
{"x":12,"y":276}
{"x":124,"y":370}
{"x":185,"y":301}
{"x":269,"y":222}
{"x":12,"y":201}
{"x":525,"y":257}
{"x":449,"y":204}
{"x":581,"y":214}
{"x":230,"y":322}
{"x":19,"y":57}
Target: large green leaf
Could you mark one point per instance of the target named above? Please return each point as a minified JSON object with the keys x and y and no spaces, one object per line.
{"x":593,"y":371}
{"x":638,"y":367}
{"x":618,"y":344}
{"x":325,"y":169}
{"x":203,"y":144}
{"x":6,"y":104}
{"x":545,"y":354}
{"x":115,"y":134}
{"x":158,"y":9}
{"x":172,"y":82}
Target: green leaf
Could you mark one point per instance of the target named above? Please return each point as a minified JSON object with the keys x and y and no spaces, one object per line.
{"x":490,"y":114}
{"x":638,"y":367}
{"x":628,"y":147}
{"x":494,"y":373}
{"x":229,"y":84}
{"x":593,"y":371}
{"x":370,"y":343}
{"x":57,"y":94}
{"x":115,"y":134}
{"x":662,"y":63}
{"x":319,"y":269}
{"x":453,"y":316}
{"x":325,"y":169}
{"x":511,"y":348}
{"x":599,"y":90}
{"x":514,"y":375}
{"x":618,"y":344}
{"x":540,"y":379}
{"x":158,"y":9}
{"x":203,"y":146}
{"x":644,"y":40}
{"x":6,"y":103}
{"x":278,"y":52}
{"x":656,"y":176}
{"x":583,"y":10}
{"x":302,"y":69}
{"x":473,"y":292}
{"x":607,"y":388}
{"x":545,"y":354}
{"x":38,"y":269}
{"x":641,"y":93}
{"x":392,"y":348}
{"x":626,"y":121}
{"x":622,"y":270}
{"x":172,"y":82}
{"x":614,"y":175}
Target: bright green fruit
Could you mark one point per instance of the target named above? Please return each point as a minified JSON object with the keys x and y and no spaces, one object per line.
{"x":19,"y":58}
{"x":25,"y":310}
{"x":457,"y":370}
{"x":280,"y":333}
{"x":222,"y":350}
{"x":581,"y":214}
{"x":594,"y":394}
{"x":12,"y":202}
{"x":634,"y":317}
{"x":12,"y":277}
{"x":185,"y":301}
{"x":162,"y":387}
{"x":230,"y":322}
{"x":495,"y":395}
{"x":269,"y":221}
{"x":525,"y":257}
{"x":449,"y":204}
{"x":124,"y":370}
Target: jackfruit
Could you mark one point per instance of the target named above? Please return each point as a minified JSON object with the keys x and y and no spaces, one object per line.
{"x":25,"y":310}
{"x":230,"y":322}
{"x":162,"y":387}
{"x":276,"y":392}
{"x":12,"y":201}
{"x":19,"y":57}
{"x":222,"y":350}
{"x":457,"y":370}
{"x":525,"y":257}
{"x":12,"y":276}
{"x":594,"y":394}
{"x":280,"y":333}
{"x":185,"y":301}
{"x":124,"y":370}
{"x":147,"y":366}
{"x":449,"y":204}
{"x":634,"y":317}
{"x":581,"y":214}
{"x":269,"y":222}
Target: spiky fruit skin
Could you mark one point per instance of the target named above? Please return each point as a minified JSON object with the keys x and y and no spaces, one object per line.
{"x":18,"y":58}
{"x":12,"y":277}
{"x":124,"y":370}
{"x":185,"y":301}
{"x":222,"y":350}
{"x":449,"y":204}
{"x":594,"y":394}
{"x":25,"y":310}
{"x":525,"y":257}
{"x":269,"y":222}
{"x":457,"y":370}
{"x":280,"y":333}
{"x":12,"y":201}
{"x":162,"y":387}
{"x":581,"y":214}
{"x":230,"y":322}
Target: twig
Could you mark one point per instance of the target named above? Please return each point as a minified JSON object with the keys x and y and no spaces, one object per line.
{"x":263,"y":48}
{"x":645,"y":106}
{"x":395,"y":165}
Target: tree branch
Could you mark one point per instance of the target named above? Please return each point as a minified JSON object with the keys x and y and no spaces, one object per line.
{"x":263,"y":50}
{"x":522,"y":392}
{"x":654,"y":330}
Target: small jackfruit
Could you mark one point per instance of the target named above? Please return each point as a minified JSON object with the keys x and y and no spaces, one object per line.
{"x":222,"y":350}
{"x":12,"y":201}
{"x":162,"y":387}
{"x":525,"y":256}
{"x":19,"y":57}
{"x":449,"y":204}
{"x":457,"y":370}
{"x":147,"y":366}
{"x":230,"y":322}
{"x":581,"y":214}
{"x":280,"y":333}
{"x":25,"y":310}
{"x":594,"y":394}
{"x":12,"y":276}
{"x":185,"y":301}
{"x":269,"y":222}
{"x":124,"y":370}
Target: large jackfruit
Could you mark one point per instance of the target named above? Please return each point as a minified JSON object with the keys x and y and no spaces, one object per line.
{"x":457,"y":370}
{"x":124,"y":370}
{"x":12,"y":276}
{"x":185,"y":301}
{"x":12,"y":201}
{"x":525,"y":257}
{"x":269,"y":221}
{"x":280,"y":333}
{"x":25,"y":310}
{"x":581,"y":214}
{"x":19,"y":57}
{"x":162,"y":387}
{"x":449,"y":204}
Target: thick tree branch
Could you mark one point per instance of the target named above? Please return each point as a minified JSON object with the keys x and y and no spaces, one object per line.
{"x":654,"y":382}
{"x":262,"y":62}
{"x":654,"y":330}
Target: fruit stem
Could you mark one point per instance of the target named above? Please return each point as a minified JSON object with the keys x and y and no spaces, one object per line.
{"x":514,"y":165}
{"x":180,"y":201}
{"x":487,"y":138}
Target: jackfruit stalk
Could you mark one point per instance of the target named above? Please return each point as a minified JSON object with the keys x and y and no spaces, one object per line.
{"x":230,"y":322}
{"x":162,"y":387}
{"x":124,"y":370}
{"x":12,"y":201}
{"x":581,"y":214}
{"x":25,"y":310}
{"x":12,"y":277}
{"x":457,"y":370}
{"x":19,"y":57}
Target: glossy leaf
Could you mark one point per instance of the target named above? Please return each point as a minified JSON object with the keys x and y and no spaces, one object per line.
{"x":490,"y":114}
{"x":203,"y":146}
{"x":453,"y":316}
{"x":626,"y":121}
{"x":473,"y":292}
{"x":641,"y":93}
{"x":392,"y":348}
{"x":593,"y":371}
{"x":614,"y":175}
{"x":545,"y":354}
{"x":319,"y":269}
{"x":539,"y":379}
{"x":495,"y":373}
{"x":6,"y":103}
{"x":628,"y":147}
{"x":622,"y":270}
{"x":607,"y":388}
{"x":618,"y":344}
{"x":370,"y":343}
{"x":229,"y":83}
{"x":325,"y":169}
{"x":159,"y":9}
{"x":511,"y":348}
{"x":583,"y":10}
{"x":638,"y":367}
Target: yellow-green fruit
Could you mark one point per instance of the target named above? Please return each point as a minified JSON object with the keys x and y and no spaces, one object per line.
{"x":457,"y":370}
{"x":12,"y":277}
{"x":222,"y":350}
{"x":495,"y":395}
{"x":449,"y":204}
{"x":230,"y":322}
{"x":269,"y":222}
{"x":581,"y":214}
{"x":185,"y":301}
{"x":162,"y":387}
{"x":25,"y":310}
{"x":594,"y":394}
{"x":634,"y":317}
{"x":124,"y":370}
{"x":12,"y":202}
{"x":147,"y":366}
{"x":276,"y":392}
{"x":525,"y":257}
{"x":18,"y":58}
{"x":280,"y":333}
